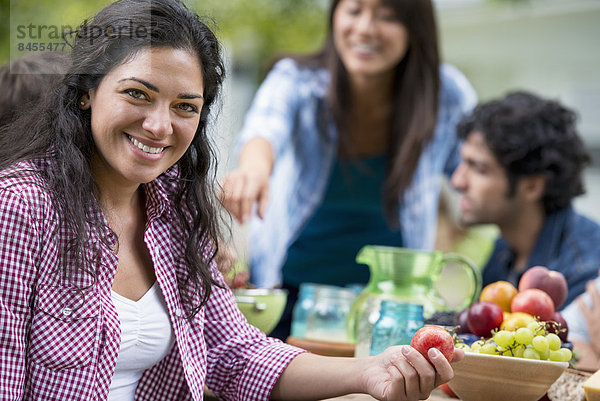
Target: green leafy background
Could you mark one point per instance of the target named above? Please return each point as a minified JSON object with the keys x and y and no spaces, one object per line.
{"x":253,"y":30}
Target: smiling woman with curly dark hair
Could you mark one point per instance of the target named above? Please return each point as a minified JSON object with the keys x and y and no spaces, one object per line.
{"x":109,"y":289}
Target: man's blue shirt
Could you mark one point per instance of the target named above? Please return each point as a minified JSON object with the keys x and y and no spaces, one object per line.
{"x":568,"y":242}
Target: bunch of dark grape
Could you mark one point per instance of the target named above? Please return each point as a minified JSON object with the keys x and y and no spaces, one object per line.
{"x":444,"y":318}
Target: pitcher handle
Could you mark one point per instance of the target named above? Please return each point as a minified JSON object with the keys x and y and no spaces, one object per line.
{"x":471,"y":269}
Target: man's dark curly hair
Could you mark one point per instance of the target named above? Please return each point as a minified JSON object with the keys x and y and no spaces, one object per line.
{"x":532,"y":136}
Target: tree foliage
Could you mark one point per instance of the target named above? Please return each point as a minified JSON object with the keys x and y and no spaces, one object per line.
{"x":258,"y":30}
{"x":22,"y":21}
{"x":254,"y":31}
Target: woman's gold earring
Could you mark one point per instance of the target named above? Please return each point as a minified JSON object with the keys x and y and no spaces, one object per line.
{"x":82,"y":103}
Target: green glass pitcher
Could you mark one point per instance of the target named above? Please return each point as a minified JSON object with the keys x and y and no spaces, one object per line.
{"x":407,"y":275}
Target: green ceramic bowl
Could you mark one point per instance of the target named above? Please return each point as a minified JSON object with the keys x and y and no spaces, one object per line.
{"x":262,"y":307}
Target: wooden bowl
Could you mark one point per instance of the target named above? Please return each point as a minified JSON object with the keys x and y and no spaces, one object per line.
{"x":481,"y":377}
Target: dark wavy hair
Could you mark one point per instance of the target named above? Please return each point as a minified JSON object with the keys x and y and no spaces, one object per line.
{"x":532,"y":136}
{"x":26,"y":79}
{"x":113,"y":36}
{"x":415,"y":99}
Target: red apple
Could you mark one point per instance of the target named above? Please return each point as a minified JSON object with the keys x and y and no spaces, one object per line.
{"x":558,"y":325}
{"x":461,"y":321}
{"x":240,"y":280}
{"x":535,"y":302}
{"x":551,"y":281}
{"x":433,"y":337}
{"x":483,"y":317}
{"x":447,"y":390}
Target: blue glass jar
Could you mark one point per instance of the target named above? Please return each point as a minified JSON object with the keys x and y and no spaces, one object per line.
{"x":305,"y":302}
{"x":397,"y":323}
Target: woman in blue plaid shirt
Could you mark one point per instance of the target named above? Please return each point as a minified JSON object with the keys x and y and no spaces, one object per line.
{"x":347,"y":147}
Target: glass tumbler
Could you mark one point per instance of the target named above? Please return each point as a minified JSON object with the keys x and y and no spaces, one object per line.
{"x":304,"y":304}
{"x":326,"y":321}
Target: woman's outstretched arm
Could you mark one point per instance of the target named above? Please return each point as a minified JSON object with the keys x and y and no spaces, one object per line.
{"x":399,"y":373}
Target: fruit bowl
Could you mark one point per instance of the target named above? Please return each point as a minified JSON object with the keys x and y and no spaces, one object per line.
{"x":262,"y":307}
{"x":482,"y":377}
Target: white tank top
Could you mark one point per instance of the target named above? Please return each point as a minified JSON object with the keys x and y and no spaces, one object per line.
{"x":146,"y":338}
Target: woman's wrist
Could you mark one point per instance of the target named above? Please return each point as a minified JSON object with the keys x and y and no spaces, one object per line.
{"x":367,"y":368}
{"x":257,"y":157}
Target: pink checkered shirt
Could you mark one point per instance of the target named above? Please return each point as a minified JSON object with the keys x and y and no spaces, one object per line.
{"x":58,"y":343}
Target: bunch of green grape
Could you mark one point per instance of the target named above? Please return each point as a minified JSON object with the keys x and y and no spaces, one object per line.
{"x":531,"y":342}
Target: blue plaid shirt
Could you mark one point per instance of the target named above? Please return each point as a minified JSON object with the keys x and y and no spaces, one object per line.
{"x":287,"y":111}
